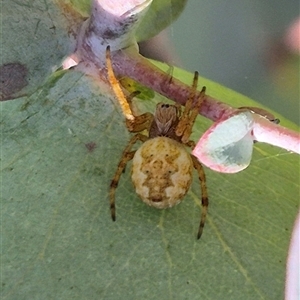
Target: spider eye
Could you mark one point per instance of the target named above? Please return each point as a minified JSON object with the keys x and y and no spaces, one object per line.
{"x":165,"y":105}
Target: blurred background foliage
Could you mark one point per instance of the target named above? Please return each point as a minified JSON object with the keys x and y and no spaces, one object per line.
{"x":242,"y":45}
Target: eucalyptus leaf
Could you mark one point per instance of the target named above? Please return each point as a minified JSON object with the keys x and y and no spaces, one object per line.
{"x":61,"y":147}
{"x":160,"y":15}
{"x":38,"y":35}
{"x":81,"y":6}
{"x":34,"y":34}
{"x":61,"y":141}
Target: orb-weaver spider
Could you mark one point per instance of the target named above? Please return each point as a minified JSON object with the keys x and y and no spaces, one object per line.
{"x":161,"y":167}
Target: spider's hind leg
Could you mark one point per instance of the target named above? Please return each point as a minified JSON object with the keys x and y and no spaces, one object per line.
{"x":204,"y":195}
{"x":127,"y":155}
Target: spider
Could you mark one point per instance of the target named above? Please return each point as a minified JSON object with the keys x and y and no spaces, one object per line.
{"x":161,"y":166}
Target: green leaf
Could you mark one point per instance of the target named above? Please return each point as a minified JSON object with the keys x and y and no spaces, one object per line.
{"x":83,"y":7}
{"x":60,"y":149}
{"x":160,"y":15}
{"x":60,"y":146}
{"x":38,"y":42}
{"x":34,"y":35}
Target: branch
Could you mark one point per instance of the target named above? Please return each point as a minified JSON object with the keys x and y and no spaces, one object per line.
{"x":113,"y":22}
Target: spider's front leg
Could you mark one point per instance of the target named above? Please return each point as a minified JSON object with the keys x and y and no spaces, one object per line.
{"x":191,"y":111}
{"x":133,"y":123}
{"x":140,"y":123}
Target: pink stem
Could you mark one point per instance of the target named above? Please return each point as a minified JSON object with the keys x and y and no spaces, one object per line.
{"x":274,"y":134}
{"x":113,"y":22}
{"x":142,"y":70}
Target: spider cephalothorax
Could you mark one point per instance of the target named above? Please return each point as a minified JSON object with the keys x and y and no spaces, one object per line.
{"x":165,"y":121}
{"x":161,"y":167}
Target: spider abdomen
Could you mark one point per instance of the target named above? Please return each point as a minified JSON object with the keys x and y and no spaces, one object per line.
{"x":162,"y":172}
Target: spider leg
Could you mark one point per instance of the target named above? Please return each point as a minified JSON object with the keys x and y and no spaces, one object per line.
{"x":184,"y":120}
{"x":140,"y":122}
{"x":204,"y":195}
{"x":190,"y":144}
{"x":127,"y":155}
{"x":187,"y":120}
{"x":189,"y":102}
{"x":117,"y":88}
{"x":193,"y":115}
{"x":131,"y":96}
{"x":133,"y":123}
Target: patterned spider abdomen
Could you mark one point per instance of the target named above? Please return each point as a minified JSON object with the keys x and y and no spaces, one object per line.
{"x":162,"y":172}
